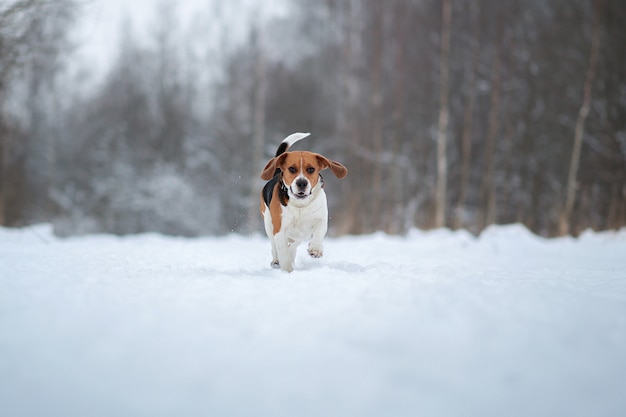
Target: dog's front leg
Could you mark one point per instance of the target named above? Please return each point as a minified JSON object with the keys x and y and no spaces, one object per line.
{"x":316,"y":247}
{"x":285,"y":254}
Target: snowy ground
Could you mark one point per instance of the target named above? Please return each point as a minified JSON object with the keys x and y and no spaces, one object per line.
{"x":432,"y":324}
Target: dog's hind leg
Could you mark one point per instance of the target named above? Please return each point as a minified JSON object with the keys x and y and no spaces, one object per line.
{"x":267,"y":220}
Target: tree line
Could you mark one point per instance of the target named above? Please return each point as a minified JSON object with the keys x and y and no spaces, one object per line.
{"x":455,"y":113}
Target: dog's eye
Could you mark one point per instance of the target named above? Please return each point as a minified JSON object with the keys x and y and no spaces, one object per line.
{"x":293,"y":170}
{"x":310,"y":170}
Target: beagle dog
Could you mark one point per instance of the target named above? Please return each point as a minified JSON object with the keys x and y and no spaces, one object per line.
{"x":293,"y":201}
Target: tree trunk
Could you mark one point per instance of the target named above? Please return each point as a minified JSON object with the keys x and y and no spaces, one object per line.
{"x":258,"y":130}
{"x":395,"y":213}
{"x":351,"y":220}
{"x":468,"y":120}
{"x":570,"y":196}
{"x":376,"y":109}
{"x":488,"y":186}
{"x":442,"y":134}
{"x":3,"y":165}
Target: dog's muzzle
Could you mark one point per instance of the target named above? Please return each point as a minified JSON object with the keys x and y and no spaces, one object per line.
{"x":302,"y":189}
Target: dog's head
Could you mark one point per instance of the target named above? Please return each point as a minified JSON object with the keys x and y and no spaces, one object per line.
{"x":300,"y":171}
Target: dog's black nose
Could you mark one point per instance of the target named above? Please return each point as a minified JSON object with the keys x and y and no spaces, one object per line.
{"x":301,"y":183}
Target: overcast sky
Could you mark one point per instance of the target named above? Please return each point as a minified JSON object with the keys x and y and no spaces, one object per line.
{"x":98,"y":22}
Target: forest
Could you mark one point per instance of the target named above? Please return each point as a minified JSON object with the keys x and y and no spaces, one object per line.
{"x":447,"y":113}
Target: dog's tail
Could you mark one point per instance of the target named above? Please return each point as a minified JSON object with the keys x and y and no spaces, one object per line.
{"x":288,"y":141}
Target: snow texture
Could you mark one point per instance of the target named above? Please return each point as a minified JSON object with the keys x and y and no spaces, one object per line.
{"x":432,"y":324}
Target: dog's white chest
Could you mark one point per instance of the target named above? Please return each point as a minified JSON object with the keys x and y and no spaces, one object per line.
{"x":299,"y":222}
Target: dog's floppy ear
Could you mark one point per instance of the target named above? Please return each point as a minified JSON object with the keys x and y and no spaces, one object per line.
{"x":268,"y":171}
{"x":272,"y":167}
{"x":339,"y":170}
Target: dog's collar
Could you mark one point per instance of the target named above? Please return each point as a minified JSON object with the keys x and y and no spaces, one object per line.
{"x":283,"y":192}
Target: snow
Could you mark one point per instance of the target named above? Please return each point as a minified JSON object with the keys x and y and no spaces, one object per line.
{"x":436,"y":323}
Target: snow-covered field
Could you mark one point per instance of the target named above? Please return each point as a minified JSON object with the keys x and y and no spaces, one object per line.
{"x":432,"y":324}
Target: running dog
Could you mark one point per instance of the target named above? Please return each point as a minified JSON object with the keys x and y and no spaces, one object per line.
{"x":293,"y":202}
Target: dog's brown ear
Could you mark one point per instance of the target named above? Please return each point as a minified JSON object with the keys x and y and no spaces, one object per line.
{"x":338,"y":169}
{"x":272,"y":167}
{"x":268,"y":171}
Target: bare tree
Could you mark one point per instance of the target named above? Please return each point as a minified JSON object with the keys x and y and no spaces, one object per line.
{"x":468,"y":116}
{"x":570,"y":196}
{"x":395,"y":213}
{"x":442,"y":131}
{"x":258,"y":125}
{"x":32,"y":38}
{"x":348,"y":124}
{"x":13,"y":26}
{"x":376,"y":111}
{"x":488,"y":186}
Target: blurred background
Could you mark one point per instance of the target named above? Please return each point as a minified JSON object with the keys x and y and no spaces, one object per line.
{"x":159,"y":115}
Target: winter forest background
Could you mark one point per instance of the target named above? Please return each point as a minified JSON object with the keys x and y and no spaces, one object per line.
{"x":456,"y":113}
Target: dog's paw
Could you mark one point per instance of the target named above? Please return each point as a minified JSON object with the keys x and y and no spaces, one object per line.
{"x":315,"y":252}
{"x":275,"y":265}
